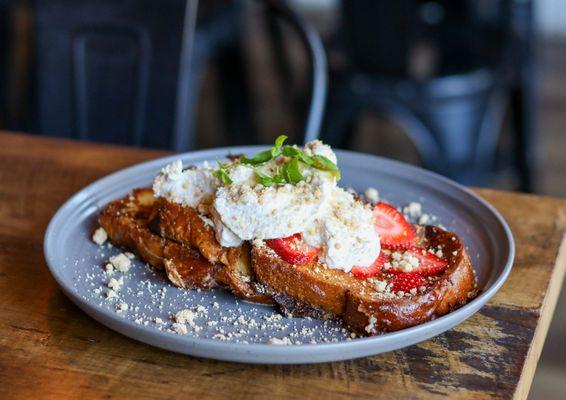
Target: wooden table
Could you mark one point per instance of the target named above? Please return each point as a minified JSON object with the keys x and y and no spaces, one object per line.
{"x":51,"y":349}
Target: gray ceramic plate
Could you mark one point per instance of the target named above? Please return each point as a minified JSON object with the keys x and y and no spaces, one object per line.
{"x":229,"y":329}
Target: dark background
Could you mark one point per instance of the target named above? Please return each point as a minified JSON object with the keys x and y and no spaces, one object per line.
{"x":243,"y":88}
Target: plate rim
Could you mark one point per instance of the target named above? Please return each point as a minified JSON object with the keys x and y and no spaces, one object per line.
{"x":241,"y":352}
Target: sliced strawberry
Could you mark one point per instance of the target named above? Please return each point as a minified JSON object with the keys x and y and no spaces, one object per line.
{"x":407,"y":281}
{"x":293,"y":250}
{"x":366,"y":272}
{"x":429,"y":264}
{"x":395,"y":232}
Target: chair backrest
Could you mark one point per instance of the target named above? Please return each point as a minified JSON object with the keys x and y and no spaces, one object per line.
{"x":460,"y":35}
{"x":317,"y":59}
{"x":108,"y":68}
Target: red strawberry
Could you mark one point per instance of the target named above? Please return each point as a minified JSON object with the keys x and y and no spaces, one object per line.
{"x":406,"y":281}
{"x":429,"y":264}
{"x":293,"y":250}
{"x":395,"y":232}
{"x":366,"y":272}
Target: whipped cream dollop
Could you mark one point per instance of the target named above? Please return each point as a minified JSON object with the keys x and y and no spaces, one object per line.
{"x":240,"y":208}
{"x":189,"y":187}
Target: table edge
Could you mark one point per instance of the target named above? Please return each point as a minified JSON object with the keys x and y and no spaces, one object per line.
{"x":546,"y":313}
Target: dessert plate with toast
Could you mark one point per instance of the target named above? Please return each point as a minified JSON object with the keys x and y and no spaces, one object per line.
{"x":280,"y":254}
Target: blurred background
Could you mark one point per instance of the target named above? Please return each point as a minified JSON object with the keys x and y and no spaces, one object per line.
{"x":472,"y":89}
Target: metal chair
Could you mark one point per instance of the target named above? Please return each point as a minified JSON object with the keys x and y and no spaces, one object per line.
{"x":317,"y":60}
{"x":129,"y":72}
{"x":455,"y":113}
{"x":109,"y":71}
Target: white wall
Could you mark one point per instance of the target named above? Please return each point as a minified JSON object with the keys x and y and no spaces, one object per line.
{"x":551,"y":17}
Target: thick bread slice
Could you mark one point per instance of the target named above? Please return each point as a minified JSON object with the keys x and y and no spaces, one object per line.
{"x":359,"y":302}
{"x":185,"y":225}
{"x":125,"y":221}
{"x":312,"y":285}
{"x":187,"y":269}
{"x":168,"y":236}
{"x":368,"y":312}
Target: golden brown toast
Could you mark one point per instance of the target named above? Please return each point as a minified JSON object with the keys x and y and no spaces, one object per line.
{"x":177,"y":239}
{"x":186,"y":226}
{"x":318,"y":291}
{"x":368,"y":313}
{"x":168,"y":236}
{"x":125,"y":221}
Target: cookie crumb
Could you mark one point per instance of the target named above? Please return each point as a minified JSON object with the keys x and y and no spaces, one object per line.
{"x":100,"y":236}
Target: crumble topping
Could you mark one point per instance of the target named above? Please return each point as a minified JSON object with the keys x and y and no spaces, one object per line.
{"x":372,"y":194}
{"x":115,"y":283}
{"x":263,"y":198}
{"x":403,"y":261}
{"x":99,"y":236}
{"x":413,"y":209}
{"x":283,"y":342}
{"x":121,"y":262}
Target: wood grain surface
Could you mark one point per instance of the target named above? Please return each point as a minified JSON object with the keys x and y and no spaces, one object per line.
{"x":51,"y":349}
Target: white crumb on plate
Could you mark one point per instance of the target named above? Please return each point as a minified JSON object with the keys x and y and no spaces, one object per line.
{"x":100,"y":236}
{"x":372,"y":194}
{"x":281,"y":342}
{"x":121,"y":262}
{"x":179,"y":328}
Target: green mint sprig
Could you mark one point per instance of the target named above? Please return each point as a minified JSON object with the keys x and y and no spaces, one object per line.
{"x":289,"y":173}
{"x":267,"y":155}
{"x":267,"y":180}
{"x":221,"y":173}
{"x":316,"y":161}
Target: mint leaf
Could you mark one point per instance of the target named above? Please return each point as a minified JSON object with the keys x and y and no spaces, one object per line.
{"x":324,"y":164}
{"x":264,"y":179}
{"x":267,"y":155}
{"x":261,"y":158}
{"x":290,"y":151}
{"x":276,"y":150}
{"x":222,"y":174}
{"x":279,"y":179}
{"x":291,"y":171}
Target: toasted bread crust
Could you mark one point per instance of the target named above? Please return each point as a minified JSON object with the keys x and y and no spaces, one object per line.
{"x":184,"y":225}
{"x":316,"y":286}
{"x":178,"y":240}
{"x":125,"y":221}
{"x":367,"y":314}
{"x":360,"y":306}
{"x":187,"y":269}
{"x":175,"y":238}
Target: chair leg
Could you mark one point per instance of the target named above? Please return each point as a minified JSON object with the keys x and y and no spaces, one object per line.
{"x":523,"y":114}
{"x":278,"y":54}
{"x":523,"y":94}
{"x":340,"y":120}
{"x":236,"y":97}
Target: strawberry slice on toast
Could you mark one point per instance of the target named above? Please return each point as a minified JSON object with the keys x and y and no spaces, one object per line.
{"x":395,"y":232}
{"x":429,"y":264}
{"x":293,"y":250}
{"x":371,"y":270}
{"x":407,"y":281}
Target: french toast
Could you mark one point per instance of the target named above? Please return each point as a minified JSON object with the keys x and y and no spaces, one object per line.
{"x":318,"y":291}
{"x":176,"y":239}
{"x":126,"y":223}
{"x":186,"y":226}
{"x":277,"y":229}
{"x":168,"y":236}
